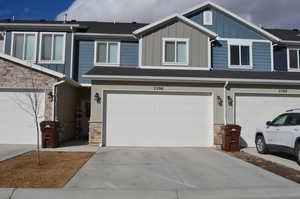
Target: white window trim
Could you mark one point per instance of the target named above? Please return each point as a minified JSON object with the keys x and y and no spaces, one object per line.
{"x":211,"y":15}
{"x":240,"y":43}
{"x":289,"y":62}
{"x":63,"y":51}
{"x":13,"y":40}
{"x":187,"y":51}
{"x":105,"y":63}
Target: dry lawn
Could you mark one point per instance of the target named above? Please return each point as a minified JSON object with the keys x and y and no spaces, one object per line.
{"x":56,"y":169}
{"x":272,"y":167}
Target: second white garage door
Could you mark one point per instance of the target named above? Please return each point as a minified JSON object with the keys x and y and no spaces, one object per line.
{"x":172,"y":120}
{"x":16,"y":120}
{"x":253,"y":111}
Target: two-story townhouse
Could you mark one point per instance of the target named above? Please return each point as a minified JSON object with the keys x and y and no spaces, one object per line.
{"x":197,"y":70}
{"x":170,"y":83}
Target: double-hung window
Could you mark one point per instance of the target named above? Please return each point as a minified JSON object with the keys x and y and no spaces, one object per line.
{"x":175,"y":51}
{"x":52,"y":48}
{"x":240,"y":55}
{"x":107,"y":53}
{"x":24,"y":46}
{"x":294,"y":59}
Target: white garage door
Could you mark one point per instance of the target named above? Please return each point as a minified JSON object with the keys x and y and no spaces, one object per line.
{"x":159,"y":120}
{"x":253,"y":111}
{"x":16,"y":123}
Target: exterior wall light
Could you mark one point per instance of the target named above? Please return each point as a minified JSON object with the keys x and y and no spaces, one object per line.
{"x":230,"y":100}
{"x":97,"y":98}
{"x":51,"y":96}
{"x":220,"y":101}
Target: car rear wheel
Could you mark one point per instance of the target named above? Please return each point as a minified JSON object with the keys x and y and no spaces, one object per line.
{"x":298,"y":153}
{"x":261,"y":145}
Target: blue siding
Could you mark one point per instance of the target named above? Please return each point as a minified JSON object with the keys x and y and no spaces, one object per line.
{"x":280,"y":59}
{"x":85,"y":59}
{"x":219,"y":55}
{"x":62,"y":68}
{"x":262,"y":57}
{"x":129,"y":56}
{"x":7,"y":43}
{"x":261,"y":53}
{"x":226,"y":26}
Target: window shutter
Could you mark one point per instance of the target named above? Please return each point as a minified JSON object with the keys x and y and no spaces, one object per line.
{"x":208,"y":18}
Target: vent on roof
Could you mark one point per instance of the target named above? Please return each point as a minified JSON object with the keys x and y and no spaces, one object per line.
{"x":134,"y":22}
{"x":73,"y":20}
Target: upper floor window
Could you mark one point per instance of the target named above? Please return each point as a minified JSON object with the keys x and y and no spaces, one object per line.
{"x":107,"y":53}
{"x":240,"y":55}
{"x":175,"y":51}
{"x":52,"y":48}
{"x":24,"y":45}
{"x":294,"y":59}
{"x":208,"y":17}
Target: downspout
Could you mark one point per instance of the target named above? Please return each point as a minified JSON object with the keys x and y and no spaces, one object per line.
{"x":225,"y":102}
{"x":54,"y":91}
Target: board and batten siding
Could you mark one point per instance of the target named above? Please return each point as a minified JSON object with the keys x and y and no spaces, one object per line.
{"x":152,"y":45}
{"x":226,"y":26}
{"x":261,"y":53}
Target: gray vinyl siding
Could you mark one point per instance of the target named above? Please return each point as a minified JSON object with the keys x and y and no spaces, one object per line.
{"x":152,"y":50}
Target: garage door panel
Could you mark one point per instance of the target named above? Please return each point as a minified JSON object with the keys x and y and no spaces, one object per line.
{"x":158,"y":120}
{"x":253,"y":111}
{"x":17,"y":124}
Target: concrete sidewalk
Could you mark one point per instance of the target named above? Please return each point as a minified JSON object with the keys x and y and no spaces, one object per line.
{"x":257,"y":193}
{"x":8,"y":151}
{"x":285,"y":160}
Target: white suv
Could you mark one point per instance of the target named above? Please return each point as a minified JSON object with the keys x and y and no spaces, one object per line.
{"x":281,"y":135}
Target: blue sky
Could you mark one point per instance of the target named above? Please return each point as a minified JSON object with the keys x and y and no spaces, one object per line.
{"x":32,"y":9}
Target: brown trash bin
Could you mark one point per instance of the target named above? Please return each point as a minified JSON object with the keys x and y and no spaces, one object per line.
{"x":231,"y":138}
{"x":50,"y":136}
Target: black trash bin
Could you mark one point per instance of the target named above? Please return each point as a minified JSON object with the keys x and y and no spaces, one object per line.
{"x":50,"y":135}
{"x":231,"y":138}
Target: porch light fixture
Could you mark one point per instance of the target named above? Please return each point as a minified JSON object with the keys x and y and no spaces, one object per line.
{"x":97,"y":98}
{"x":50,"y":96}
{"x":220,"y":101}
{"x":230,"y":100}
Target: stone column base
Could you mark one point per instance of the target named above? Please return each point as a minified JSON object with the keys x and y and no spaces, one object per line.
{"x":95,"y":133}
{"x":218,"y":140}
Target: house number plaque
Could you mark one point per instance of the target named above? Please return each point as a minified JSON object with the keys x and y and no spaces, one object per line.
{"x":158,"y":88}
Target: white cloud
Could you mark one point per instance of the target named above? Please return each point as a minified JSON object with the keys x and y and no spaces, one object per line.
{"x":258,"y":11}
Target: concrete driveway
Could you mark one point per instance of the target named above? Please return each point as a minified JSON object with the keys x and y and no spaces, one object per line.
{"x":185,"y":172}
{"x":11,"y":150}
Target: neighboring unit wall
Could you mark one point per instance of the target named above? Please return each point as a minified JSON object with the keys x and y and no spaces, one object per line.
{"x":280,"y":59}
{"x":85,"y":57}
{"x":67,"y":102}
{"x":15,"y":76}
{"x":62,"y":68}
{"x":152,"y":50}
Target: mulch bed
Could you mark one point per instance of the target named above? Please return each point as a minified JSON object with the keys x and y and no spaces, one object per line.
{"x":275,"y":168}
{"x":56,"y":169}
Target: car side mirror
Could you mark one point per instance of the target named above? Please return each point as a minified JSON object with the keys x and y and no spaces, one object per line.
{"x":269,"y":123}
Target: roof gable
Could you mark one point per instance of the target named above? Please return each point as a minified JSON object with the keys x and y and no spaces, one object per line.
{"x":161,"y":23}
{"x":250,"y":25}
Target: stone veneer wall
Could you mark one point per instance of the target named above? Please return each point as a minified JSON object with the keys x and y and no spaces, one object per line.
{"x":95,"y":133}
{"x":13,"y":75}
